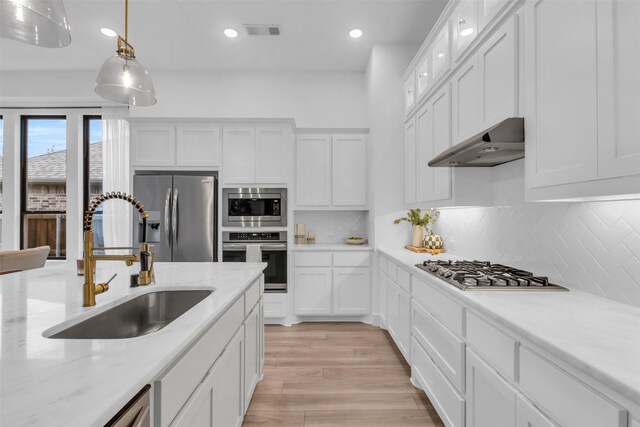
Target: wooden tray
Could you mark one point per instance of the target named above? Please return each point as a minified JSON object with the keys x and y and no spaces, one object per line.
{"x":424,"y":250}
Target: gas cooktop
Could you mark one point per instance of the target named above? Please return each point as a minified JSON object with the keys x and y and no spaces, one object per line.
{"x":482,"y":275}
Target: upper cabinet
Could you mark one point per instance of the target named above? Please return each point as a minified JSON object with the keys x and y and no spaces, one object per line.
{"x":331,"y":170}
{"x":618,"y":88}
{"x":464,"y":27}
{"x":256,"y":154}
{"x":439,"y":54}
{"x":581,"y":109}
{"x":487,"y":10}
{"x":410,"y":161}
{"x":409,"y":92}
{"x":158,"y":144}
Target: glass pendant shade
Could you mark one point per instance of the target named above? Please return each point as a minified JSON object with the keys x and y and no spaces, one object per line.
{"x":38,"y":22}
{"x":125,"y":81}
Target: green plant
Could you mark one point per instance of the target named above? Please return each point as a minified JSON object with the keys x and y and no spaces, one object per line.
{"x":416,"y":217}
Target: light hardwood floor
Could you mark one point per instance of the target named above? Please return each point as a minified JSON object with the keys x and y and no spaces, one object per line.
{"x":336,"y":374}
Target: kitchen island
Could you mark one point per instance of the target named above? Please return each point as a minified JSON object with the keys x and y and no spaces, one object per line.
{"x":82,"y":382}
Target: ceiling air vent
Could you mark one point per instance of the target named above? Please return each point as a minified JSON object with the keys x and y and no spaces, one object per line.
{"x":262,"y":30}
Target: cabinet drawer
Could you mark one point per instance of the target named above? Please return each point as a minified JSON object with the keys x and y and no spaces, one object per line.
{"x":495,"y":346}
{"x":404,"y":279}
{"x":275,"y":305}
{"x":383,"y":263}
{"x":446,"y":400}
{"x":312,"y":259}
{"x":443,"y":346}
{"x":351,"y":259}
{"x":392,"y":271}
{"x":564,"y":398}
{"x":175,"y":387}
{"x":251,"y":297}
{"x":443,"y":308}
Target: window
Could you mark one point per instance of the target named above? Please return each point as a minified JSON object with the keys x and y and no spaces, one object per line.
{"x":43,"y":157}
{"x":92,"y":140}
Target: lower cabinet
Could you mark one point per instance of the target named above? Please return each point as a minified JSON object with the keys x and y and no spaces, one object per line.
{"x":218,"y":400}
{"x":491,"y":401}
{"x":312,"y":291}
{"x":399,"y":318}
{"x":332,"y":284}
{"x":214,"y":380}
{"x":528,"y":415}
{"x":351,"y":290}
{"x":252,"y":353}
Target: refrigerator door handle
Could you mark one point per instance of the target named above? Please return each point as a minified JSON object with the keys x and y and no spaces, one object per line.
{"x":167,"y":202}
{"x":174,"y":218}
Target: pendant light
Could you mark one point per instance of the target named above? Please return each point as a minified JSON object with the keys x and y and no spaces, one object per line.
{"x":38,"y":22}
{"x":122,"y":78}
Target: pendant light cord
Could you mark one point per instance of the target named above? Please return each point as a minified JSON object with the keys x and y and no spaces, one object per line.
{"x":126,"y":21}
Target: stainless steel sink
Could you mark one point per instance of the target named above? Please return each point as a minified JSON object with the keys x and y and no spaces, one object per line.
{"x":139,"y":316}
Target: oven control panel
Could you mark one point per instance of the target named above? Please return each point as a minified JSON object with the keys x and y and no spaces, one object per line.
{"x":243,"y":236}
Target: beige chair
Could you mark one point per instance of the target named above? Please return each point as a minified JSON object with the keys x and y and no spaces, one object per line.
{"x":27,"y":259}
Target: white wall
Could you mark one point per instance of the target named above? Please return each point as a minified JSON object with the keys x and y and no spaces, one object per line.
{"x":333,"y":226}
{"x":385,"y":110}
{"x":314,"y":100}
{"x":590,"y":246}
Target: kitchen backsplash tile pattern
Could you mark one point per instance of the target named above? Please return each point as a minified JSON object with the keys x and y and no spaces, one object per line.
{"x":590,"y":246}
{"x":334,"y":226}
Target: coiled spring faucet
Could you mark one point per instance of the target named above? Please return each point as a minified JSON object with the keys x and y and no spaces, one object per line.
{"x":146,"y":277}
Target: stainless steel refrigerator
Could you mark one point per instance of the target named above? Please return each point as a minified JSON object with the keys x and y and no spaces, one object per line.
{"x":182,"y":223}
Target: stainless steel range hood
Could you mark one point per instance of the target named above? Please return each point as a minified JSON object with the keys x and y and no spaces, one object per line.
{"x":501,"y":143}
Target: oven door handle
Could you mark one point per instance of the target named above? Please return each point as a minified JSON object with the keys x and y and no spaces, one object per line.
{"x":274,"y":247}
{"x":234,"y":247}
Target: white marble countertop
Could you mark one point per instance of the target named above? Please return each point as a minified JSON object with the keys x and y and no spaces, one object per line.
{"x":318,"y":247}
{"x":595,"y":335}
{"x":58,"y":382}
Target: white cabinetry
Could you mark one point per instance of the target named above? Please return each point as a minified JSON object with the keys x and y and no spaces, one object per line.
{"x":409,"y":92}
{"x":332,"y":284}
{"x":159,"y":144}
{"x":433,"y":123}
{"x":351,"y":290}
{"x":212,"y":383}
{"x":593,"y":151}
{"x":487,"y":10}
{"x":398,"y":308}
{"x":253,"y":353}
{"x":153,"y":144}
{"x":562,"y":105}
{"x":410,"y":161}
{"x":198,"y":145}
{"x":349,"y":170}
{"x":528,"y":415}
{"x":256,"y":154}
{"x":491,"y":401}
{"x":439,"y":54}
{"x":465,"y":100}
{"x":464,"y":27}
{"x":618,"y":88}
{"x":331,"y":170}
{"x":313,"y":287}
{"x":313,"y":170}
{"x":498,"y":75}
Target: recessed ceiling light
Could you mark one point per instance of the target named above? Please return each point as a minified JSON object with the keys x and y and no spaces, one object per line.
{"x":108,"y":32}
{"x":355,"y":33}
{"x":231,"y":33}
{"x":440,"y":54}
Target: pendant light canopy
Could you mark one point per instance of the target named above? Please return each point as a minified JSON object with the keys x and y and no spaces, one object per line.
{"x":38,"y":22}
{"x":122,"y":78}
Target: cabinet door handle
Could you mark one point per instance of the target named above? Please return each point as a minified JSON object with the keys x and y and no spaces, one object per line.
{"x":143,"y":416}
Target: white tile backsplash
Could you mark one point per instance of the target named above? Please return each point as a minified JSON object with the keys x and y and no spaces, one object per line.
{"x":333,"y":226}
{"x":591,"y":246}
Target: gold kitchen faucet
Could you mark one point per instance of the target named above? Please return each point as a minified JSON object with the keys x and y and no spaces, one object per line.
{"x":146,"y":276}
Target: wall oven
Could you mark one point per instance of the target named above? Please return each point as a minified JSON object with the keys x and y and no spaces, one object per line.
{"x":254,"y":207}
{"x":273,"y":246}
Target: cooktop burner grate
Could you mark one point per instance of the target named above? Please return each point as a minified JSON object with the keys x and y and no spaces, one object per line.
{"x":482,"y":275}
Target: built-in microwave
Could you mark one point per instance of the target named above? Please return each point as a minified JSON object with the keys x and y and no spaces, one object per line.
{"x":254,"y":207}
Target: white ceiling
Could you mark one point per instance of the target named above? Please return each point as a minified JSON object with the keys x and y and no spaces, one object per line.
{"x":187,"y":34}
